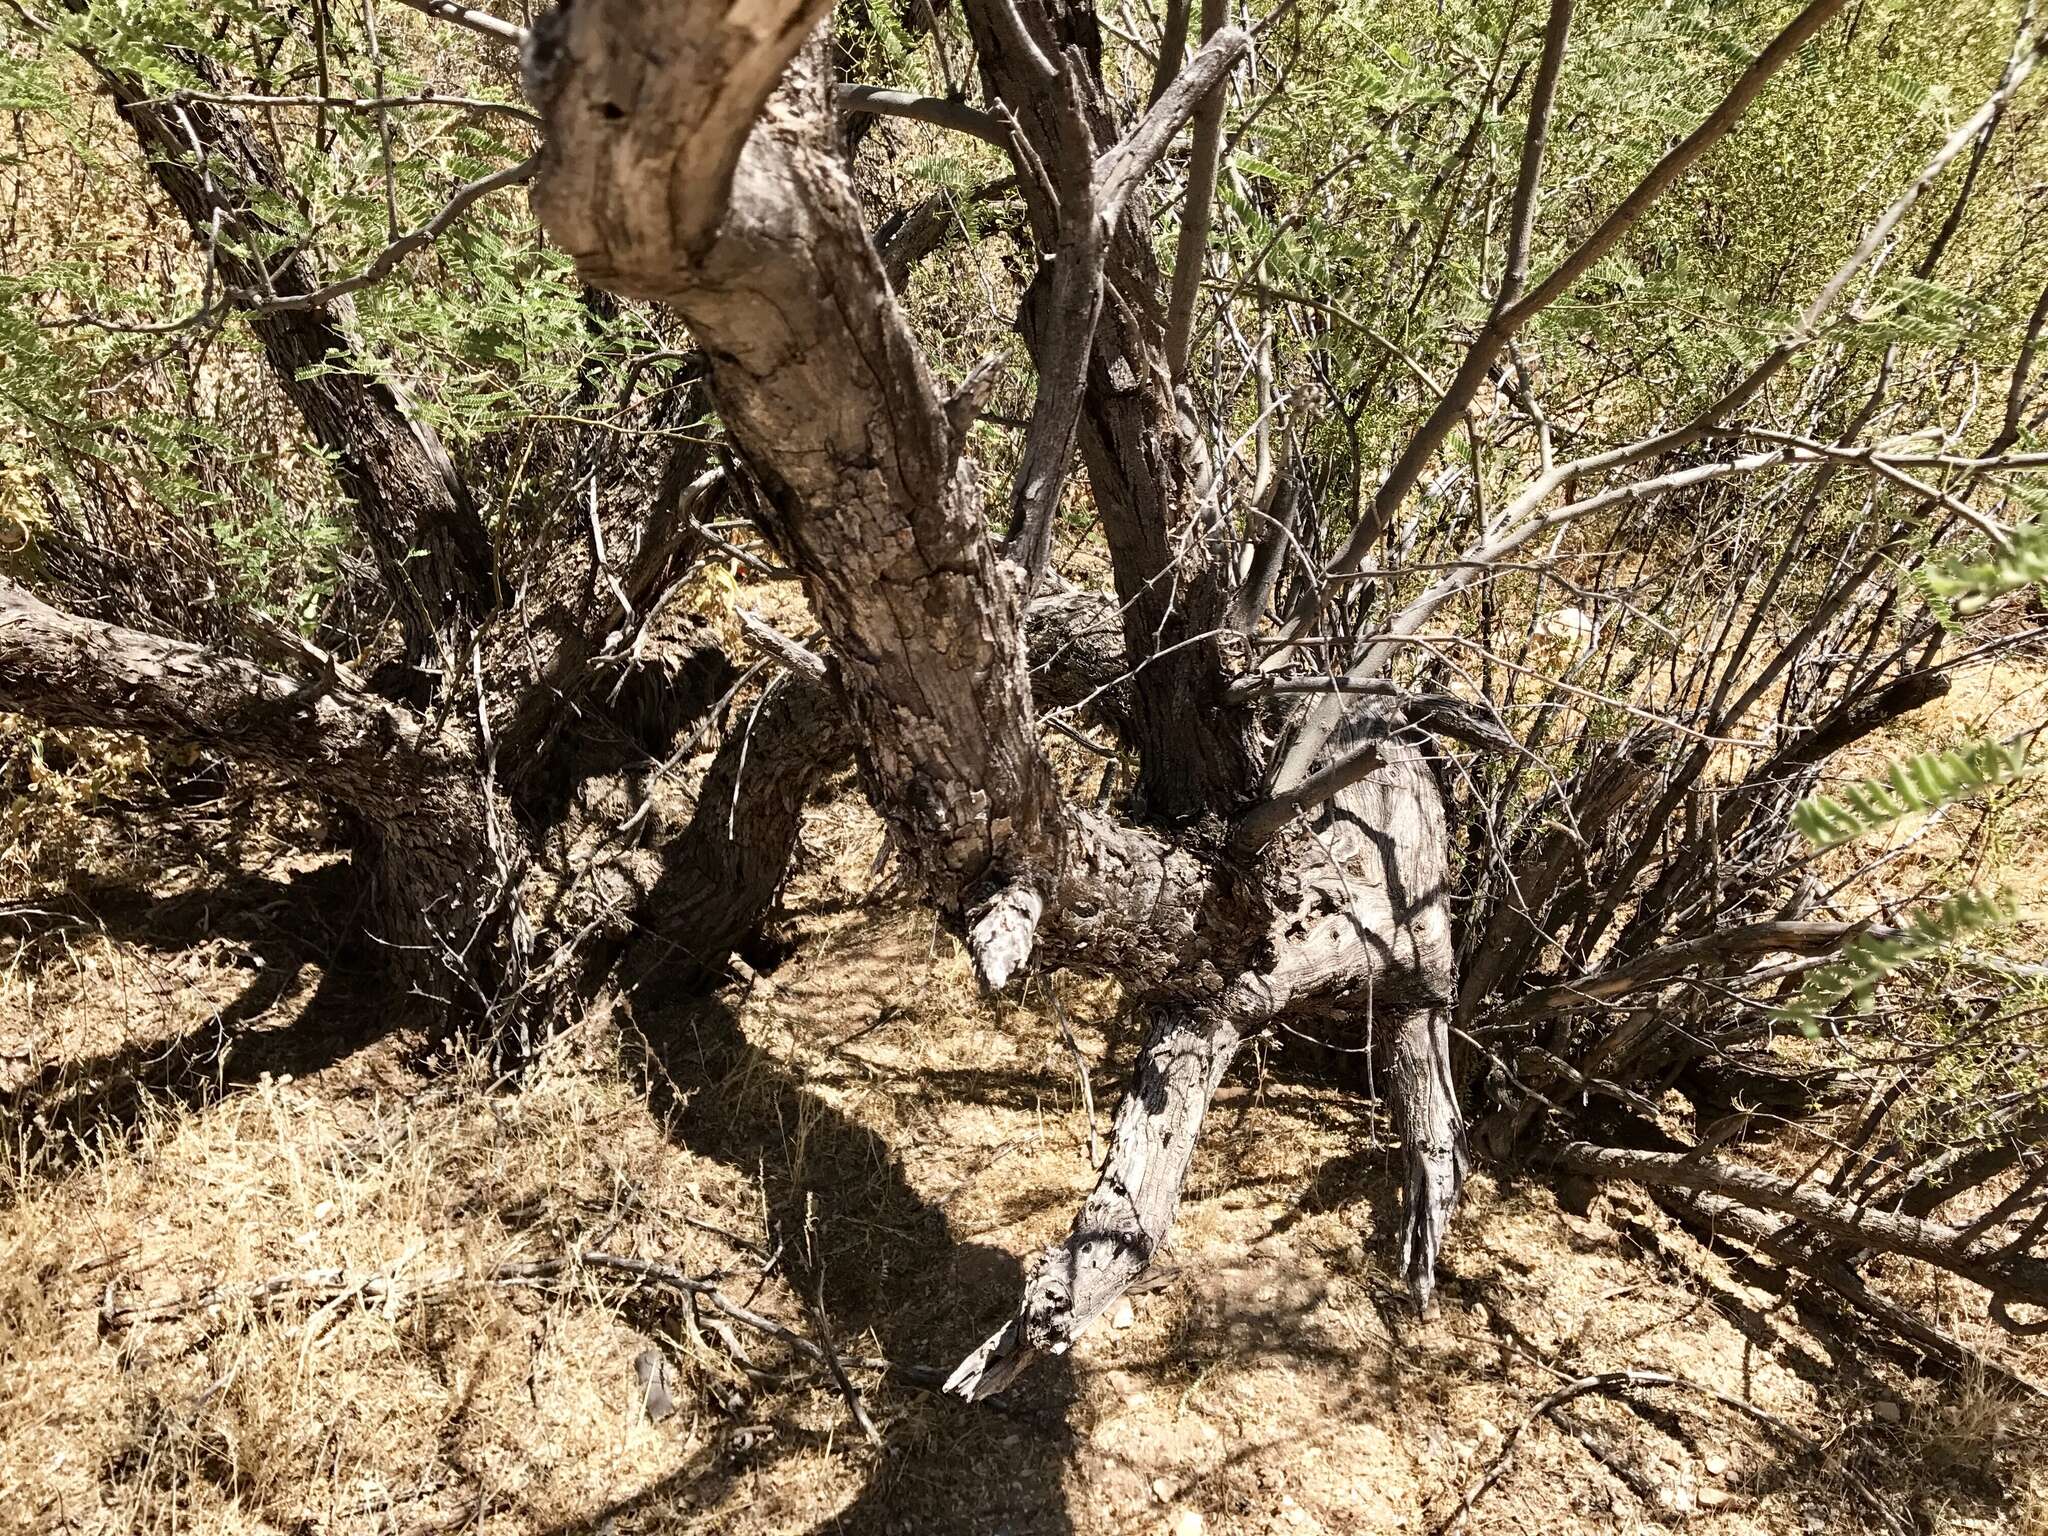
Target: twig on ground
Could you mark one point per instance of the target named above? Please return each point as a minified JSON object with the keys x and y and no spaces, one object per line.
{"x":1624,"y":1381}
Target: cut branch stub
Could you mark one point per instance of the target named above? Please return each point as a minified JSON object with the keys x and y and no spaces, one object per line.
{"x":1002,"y":933}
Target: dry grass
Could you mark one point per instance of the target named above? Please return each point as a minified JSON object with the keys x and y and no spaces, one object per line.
{"x":224,"y":1104}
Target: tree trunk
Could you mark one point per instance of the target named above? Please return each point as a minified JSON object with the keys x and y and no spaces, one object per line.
{"x":435,"y":849}
{"x":676,"y":167}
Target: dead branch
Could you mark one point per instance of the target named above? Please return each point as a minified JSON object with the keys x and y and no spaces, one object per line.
{"x":1674,"y":960}
{"x":1125,"y":1221}
{"x":1628,"y":1381}
{"x":2015,"y":1276}
{"x":1719,"y":1216}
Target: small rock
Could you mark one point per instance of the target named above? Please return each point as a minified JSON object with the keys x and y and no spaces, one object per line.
{"x":1163,"y":1489}
{"x":652,"y":1372}
{"x":1885,"y":1412}
{"x":1488,"y":1431}
{"x":1711,"y":1498}
{"x":1716,"y":1465}
{"x":1125,"y":1313}
{"x":1187,"y":1523}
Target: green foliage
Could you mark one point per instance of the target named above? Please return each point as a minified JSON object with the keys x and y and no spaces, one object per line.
{"x":1912,"y":785}
{"x":1853,"y":976}
{"x":1972,"y":585}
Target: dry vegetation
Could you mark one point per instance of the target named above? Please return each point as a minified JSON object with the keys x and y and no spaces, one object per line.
{"x":278,"y":1255}
{"x":257,"y":1231}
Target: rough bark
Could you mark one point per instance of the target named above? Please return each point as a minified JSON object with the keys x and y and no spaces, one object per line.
{"x":820,"y":383}
{"x":413,"y":790}
{"x":722,"y":874}
{"x":1125,"y":1221}
{"x":1367,"y":942}
{"x":1195,"y":746}
{"x":677,"y":169}
{"x":1389,"y":875}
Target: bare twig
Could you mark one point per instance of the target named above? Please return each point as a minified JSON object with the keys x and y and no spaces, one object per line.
{"x":483,"y":23}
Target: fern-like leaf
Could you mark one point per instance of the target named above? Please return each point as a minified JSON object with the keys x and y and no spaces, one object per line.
{"x":1970,"y":585}
{"x":1854,"y":975}
{"x":1914,"y":784}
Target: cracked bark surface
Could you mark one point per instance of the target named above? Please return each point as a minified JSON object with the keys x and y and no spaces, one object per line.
{"x":411,"y":787}
{"x":677,"y":168}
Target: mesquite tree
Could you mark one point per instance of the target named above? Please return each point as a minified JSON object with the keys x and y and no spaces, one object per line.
{"x":1371,"y":797}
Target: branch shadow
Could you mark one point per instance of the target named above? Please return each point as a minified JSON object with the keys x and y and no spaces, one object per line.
{"x":847,"y":1219}
{"x":74,"y":1109}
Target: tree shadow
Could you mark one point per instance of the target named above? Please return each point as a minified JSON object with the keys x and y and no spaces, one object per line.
{"x":848,"y":1220}
{"x":77,"y":1108}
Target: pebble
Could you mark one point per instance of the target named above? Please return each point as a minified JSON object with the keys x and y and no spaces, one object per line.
{"x":1187,"y":1523}
{"x":1888,"y":1412}
{"x":1125,"y":1313}
{"x":1716,"y":1465}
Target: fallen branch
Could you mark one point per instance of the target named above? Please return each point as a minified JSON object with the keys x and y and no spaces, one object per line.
{"x":1721,"y":1217}
{"x":2008,"y":1276}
